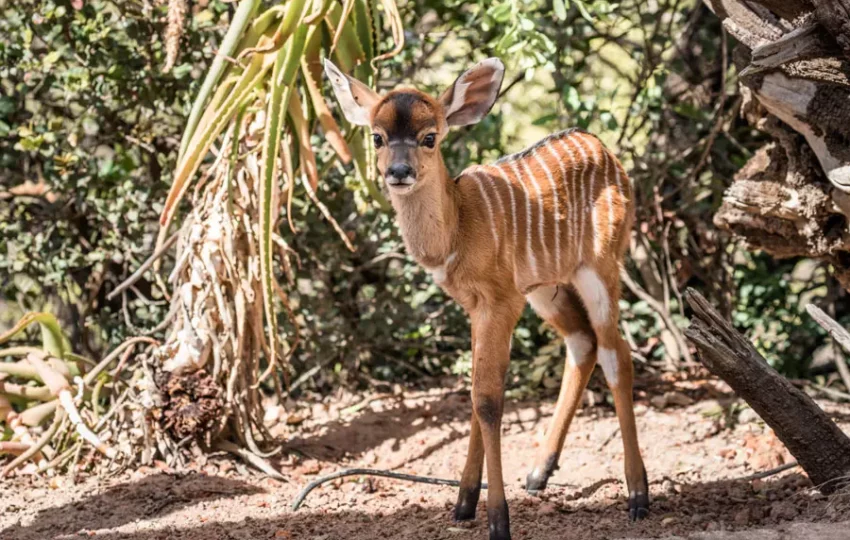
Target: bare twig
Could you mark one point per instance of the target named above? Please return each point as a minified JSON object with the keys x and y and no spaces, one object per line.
{"x":771,"y":472}
{"x":299,"y":499}
{"x":252,"y":459}
{"x":663,"y":313}
{"x":103,"y":364}
{"x":135,"y":276}
{"x":839,"y":334}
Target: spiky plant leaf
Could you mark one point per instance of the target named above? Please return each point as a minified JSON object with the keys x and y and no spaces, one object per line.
{"x":228,"y":45}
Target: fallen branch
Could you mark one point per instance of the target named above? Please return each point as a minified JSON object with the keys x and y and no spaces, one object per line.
{"x":819,"y":446}
{"x":771,"y":472}
{"x":252,"y":459}
{"x":13,"y":447}
{"x":299,"y":499}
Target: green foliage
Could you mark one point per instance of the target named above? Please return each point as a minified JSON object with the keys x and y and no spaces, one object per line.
{"x":91,"y":121}
{"x":87,"y":116}
{"x":771,"y":309}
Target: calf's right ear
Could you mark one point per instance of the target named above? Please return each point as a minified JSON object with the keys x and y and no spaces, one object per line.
{"x":355,"y":98}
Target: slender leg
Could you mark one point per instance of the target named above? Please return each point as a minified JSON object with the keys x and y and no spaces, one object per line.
{"x":492,"y":353}
{"x":470,"y":482}
{"x":565,"y":312}
{"x":621,"y":387}
{"x":600,"y":292}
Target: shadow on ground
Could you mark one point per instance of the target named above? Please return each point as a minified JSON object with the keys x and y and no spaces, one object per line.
{"x":686,"y":509}
{"x":368,"y":430}
{"x":151,"y":496}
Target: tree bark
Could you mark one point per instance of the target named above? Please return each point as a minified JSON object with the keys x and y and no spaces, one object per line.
{"x":817,"y":443}
{"x":793,"y":197}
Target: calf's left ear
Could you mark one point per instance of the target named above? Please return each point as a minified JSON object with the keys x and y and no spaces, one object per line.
{"x":355,"y":98}
{"x":472,"y":95}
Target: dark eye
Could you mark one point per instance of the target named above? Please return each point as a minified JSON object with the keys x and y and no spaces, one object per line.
{"x":378,"y":140}
{"x":429,"y":140}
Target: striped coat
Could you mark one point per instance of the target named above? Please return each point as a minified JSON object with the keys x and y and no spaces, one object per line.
{"x":545,"y":211}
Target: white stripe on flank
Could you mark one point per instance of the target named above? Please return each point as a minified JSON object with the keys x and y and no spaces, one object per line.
{"x":541,"y":229}
{"x":585,"y":211}
{"x":568,"y":220}
{"x":620,"y":193}
{"x":557,"y":209}
{"x":513,"y":203}
{"x":591,"y":199}
{"x":529,"y":252}
{"x":572,"y":182}
{"x":499,"y":203}
{"x":608,"y":188}
{"x":490,"y":217}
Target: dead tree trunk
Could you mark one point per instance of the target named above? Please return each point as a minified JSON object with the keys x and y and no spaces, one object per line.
{"x":793,"y":197}
{"x":819,"y":446}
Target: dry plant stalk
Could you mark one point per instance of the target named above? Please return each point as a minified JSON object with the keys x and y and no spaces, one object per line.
{"x":219,"y":328}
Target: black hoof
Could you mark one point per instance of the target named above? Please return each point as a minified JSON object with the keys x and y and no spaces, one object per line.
{"x":639,"y":501}
{"x":467,"y":501}
{"x":500,"y":523}
{"x":537,"y":479}
{"x":638,"y":506}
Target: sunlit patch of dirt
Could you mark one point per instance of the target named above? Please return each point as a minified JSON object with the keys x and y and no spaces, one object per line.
{"x":696,"y":451}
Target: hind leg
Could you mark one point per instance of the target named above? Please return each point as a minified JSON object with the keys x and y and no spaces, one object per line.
{"x":600,"y":292}
{"x":562,"y":308}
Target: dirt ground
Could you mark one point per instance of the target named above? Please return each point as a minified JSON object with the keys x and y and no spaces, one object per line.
{"x":698,"y":443}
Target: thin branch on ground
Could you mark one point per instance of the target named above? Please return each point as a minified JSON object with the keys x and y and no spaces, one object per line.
{"x":299,"y":499}
{"x":770,"y":472}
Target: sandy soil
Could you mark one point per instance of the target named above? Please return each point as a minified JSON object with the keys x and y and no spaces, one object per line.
{"x":695,"y":456}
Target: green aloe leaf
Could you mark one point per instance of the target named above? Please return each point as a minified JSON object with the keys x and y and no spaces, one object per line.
{"x":228,"y":46}
{"x":53,"y":340}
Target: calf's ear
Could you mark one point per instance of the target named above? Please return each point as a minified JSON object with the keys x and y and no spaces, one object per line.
{"x":472,"y":95}
{"x":355,"y":98}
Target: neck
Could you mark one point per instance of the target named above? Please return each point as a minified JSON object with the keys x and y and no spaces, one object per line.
{"x":428,"y":218}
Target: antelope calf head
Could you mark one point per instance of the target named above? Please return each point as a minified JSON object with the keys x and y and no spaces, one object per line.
{"x":546,"y":226}
{"x":408,"y":125}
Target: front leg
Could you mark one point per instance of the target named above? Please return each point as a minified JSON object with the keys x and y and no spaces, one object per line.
{"x":470,"y":482}
{"x":493,"y":329}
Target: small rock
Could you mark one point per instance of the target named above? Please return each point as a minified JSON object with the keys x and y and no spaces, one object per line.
{"x":659,"y":402}
{"x":546,"y":509}
{"x":783,"y":510}
{"x":747,"y":416}
{"x":668,"y":521}
{"x":678,"y":398}
{"x":668,"y":486}
{"x":742,"y":517}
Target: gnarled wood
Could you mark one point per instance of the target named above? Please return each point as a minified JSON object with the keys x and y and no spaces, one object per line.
{"x":819,"y":446}
{"x":791,"y":199}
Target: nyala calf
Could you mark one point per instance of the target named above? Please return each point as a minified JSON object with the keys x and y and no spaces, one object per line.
{"x":548,"y":226}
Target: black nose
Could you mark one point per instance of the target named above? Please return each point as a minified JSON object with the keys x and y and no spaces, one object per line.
{"x":400,"y":171}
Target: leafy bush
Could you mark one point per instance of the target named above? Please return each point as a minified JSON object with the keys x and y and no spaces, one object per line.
{"x":89,"y":131}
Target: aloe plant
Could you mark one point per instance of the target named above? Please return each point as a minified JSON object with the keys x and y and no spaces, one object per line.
{"x":259,"y":105}
{"x":51,"y":383}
